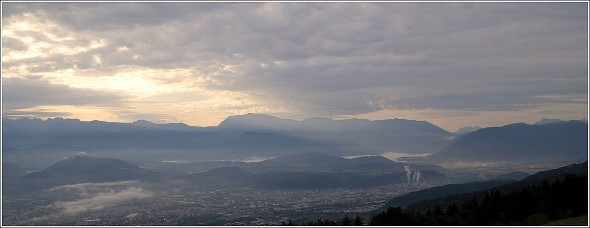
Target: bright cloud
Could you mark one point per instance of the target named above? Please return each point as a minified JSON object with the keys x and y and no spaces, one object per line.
{"x":200,"y":62}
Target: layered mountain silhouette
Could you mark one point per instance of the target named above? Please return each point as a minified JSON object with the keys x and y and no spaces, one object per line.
{"x":313,"y":162}
{"x":236,"y":137}
{"x":565,"y":141}
{"x":264,"y":124}
{"x":242,"y":136}
{"x":399,"y":135}
{"x":319,"y":170}
{"x":280,"y":179}
{"x":288,"y":172}
{"x":516,"y":175}
{"x":169,"y":126}
{"x":547,"y":120}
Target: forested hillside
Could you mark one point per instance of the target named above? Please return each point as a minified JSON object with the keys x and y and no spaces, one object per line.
{"x":533,"y":205}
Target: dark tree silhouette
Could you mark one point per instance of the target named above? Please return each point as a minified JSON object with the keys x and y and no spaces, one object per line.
{"x":358,"y":221}
{"x":530,"y":205}
{"x":346,"y":221}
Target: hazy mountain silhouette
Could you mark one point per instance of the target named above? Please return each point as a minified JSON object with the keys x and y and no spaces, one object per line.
{"x":169,"y":126}
{"x":301,"y":171}
{"x":320,"y":170}
{"x":516,"y":175}
{"x":80,"y":168}
{"x":249,"y":135}
{"x":408,"y":136}
{"x":399,"y":135}
{"x":262,"y":123}
{"x":313,"y":162}
{"x":546,"y":121}
{"x":83,"y":168}
{"x":28,"y":133}
{"x":465,"y":130}
{"x":316,"y":171}
{"x":331,"y":126}
{"x":149,"y":140}
{"x":306,"y":161}
{"x":280,"y":179}
{"x":554,"y":142}
{"x":557,"y":174}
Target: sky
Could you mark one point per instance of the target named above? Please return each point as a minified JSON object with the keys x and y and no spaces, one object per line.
{"x":452,"y":64}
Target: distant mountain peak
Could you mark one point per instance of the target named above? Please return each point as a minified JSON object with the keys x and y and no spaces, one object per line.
{"x":546,"y":121}
{"x":168,"y":126}
{"x":142,"y":122}
{"x":261,"y":122}
{"x":93,"y":168}
{"x":520,"y":142}
{"x":79,"y":155}
{"x":318,"y":119}
{"x":252,"y":116}
{"x":465,"y":130}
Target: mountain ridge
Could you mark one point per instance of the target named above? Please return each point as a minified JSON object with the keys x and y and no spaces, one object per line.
{"x":521,"y":142}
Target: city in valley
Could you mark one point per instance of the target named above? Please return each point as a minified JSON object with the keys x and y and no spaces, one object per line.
{"x":294,"y":113}
{"x":281,"y":185}
{"x":207,"y":206}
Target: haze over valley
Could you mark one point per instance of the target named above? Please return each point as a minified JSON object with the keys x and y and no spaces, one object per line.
{"x":294,"y":113}
{"x":311,"y":168}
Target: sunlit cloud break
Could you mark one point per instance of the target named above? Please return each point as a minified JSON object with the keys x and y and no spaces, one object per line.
{"x":198,"y":63}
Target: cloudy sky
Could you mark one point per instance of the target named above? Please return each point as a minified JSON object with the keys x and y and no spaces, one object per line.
{"x":453,"y":64}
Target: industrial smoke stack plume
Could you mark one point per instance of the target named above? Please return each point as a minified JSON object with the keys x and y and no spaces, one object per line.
{"x":408,"y":171}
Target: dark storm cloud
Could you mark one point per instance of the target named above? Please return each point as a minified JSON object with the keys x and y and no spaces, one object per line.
{"x":347,"y":58}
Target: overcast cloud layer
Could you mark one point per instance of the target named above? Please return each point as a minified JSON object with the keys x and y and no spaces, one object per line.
{"x":454,"y":64}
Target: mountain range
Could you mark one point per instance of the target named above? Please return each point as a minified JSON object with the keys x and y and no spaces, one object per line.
{"x":258,"y":135}
{"x":236,"y":137}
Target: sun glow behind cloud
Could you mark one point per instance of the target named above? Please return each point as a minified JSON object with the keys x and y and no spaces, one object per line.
{"x":469,"y":64}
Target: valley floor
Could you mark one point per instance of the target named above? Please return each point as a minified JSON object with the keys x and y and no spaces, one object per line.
{"x":211,"y":206}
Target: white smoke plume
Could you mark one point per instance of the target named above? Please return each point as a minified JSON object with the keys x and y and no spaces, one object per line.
{"x":408,"y":172}
{"x":416,"y":176}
